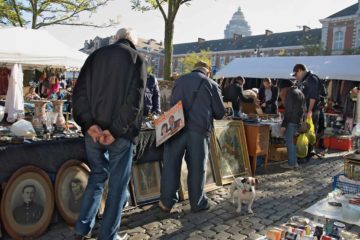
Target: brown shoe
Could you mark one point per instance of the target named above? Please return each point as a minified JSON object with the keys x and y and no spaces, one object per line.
{"x":163,"y":208}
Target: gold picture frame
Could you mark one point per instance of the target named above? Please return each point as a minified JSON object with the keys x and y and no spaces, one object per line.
{"x":27,"y":203}
{"x":229,"y":151}
{"x":70,"y":184}
{"x":146,"y":182}
{"x":210,"y":183}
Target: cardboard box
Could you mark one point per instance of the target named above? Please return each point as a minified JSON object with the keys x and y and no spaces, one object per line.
{"x":278,"y":152}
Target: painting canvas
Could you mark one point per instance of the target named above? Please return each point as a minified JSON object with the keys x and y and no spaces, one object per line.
{"x":27,"y":203}
{"x":229,"y":151}
{"x":146,"y":182}
{"x":70,"y":185}
{"x":210,"y":183}
{"x":165,"y":94}
{"x":168,"y":124}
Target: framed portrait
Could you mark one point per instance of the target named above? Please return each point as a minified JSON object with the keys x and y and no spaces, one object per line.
{"x":210,"y":183}
{"x":27,"y":203}
{"x":169,"y":123}
{"x":70,"y":184}
{"x":146,"y":182}
{"x":229,"y":151}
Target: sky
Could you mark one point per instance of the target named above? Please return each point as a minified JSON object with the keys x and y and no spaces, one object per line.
{"x":203,"y":18}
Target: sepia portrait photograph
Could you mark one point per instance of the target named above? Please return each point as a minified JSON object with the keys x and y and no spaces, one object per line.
{"x":28,"y":202}
{"x":229,"y":151}
{"x":70,"y":185}
{"x":146,"y":182}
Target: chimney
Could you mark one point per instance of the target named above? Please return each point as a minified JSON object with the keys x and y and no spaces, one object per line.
{"x":306,"y":28}
{"x":268,"y":32}
{"x":239,"y":36}
{"x":201,"y":40}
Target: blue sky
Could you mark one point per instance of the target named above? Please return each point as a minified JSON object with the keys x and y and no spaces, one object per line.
{"x":205,"y":18}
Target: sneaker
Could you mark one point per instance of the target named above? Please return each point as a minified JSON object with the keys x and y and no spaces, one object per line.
{"x":122,"y":237}
{"x":207,"y":207}
{"x":81,"y":237}
{"x":163,"y":208}
{"x":287,"y":166}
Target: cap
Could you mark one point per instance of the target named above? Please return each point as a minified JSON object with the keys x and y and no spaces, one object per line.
{"x":285,"y":83}
{"x":298,"y":67}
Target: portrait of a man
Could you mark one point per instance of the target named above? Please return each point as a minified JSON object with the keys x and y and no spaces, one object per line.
{"x":76,"y":194}
{"x":29,"y":212}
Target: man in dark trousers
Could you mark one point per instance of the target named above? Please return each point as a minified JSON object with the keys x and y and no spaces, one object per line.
{"x":108,"y":105}
{"x":309,"y":85}
{"x":202,"y":102}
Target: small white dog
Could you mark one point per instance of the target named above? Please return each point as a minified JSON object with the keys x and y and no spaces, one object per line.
{"x":245,"y":188}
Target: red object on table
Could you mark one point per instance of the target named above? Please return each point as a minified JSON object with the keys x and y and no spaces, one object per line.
{"x":343,"y":143}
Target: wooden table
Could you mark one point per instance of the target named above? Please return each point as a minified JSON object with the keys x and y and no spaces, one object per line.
{"x":257,"y":139}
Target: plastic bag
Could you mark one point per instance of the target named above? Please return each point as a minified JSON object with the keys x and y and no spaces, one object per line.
{"x":23,"y":128}
{"x":2,"y":112}
{"x":311,"y":132}
{"x":302,"y":143}
{"x":356,"y":130}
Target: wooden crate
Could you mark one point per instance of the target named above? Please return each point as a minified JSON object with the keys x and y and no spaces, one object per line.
{"x":277,"y":152}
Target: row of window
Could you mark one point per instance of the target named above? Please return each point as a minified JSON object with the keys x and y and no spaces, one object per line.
{"x":339,"y":38}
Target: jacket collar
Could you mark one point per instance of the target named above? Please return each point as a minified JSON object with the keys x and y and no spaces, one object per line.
{"x":126,"y":42}
{"x":200,"y":71}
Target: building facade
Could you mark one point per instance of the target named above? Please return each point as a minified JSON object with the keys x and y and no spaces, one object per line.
{"x":341,"y":31}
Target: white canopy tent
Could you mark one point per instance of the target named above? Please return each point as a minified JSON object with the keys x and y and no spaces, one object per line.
{"x":344,"y":67}
{"x":37,"y":48}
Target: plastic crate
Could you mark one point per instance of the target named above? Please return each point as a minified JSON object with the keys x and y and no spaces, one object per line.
{"x":344,"y":186}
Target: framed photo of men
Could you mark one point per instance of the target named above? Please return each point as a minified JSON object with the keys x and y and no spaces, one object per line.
{"x":70,"y":185}
{"x":27,"y":203}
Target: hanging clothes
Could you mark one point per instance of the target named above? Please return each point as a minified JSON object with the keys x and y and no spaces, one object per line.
{"x":14,"y":104}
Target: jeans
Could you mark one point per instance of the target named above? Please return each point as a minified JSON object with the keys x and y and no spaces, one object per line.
{"x":290,"y":132}
{"x":118,"y":169}
{"x":195,"y":146}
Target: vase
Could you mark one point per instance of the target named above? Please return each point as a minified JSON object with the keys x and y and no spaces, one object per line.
{"x":39,"y":117}
{"x":60,"y":120}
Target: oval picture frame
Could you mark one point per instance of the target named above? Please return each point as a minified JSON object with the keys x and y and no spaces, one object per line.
{"x":27,"y":204}
{"x":71,"y":181}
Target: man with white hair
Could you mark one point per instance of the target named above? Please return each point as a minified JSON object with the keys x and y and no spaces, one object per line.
{"x":108,"y":105}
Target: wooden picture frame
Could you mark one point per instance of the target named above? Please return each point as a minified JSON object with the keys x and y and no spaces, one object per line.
{"x":27,"y":203}
{"x":210,"y":183}
{"x":146,"y":182}
{"x":70,"y":184}
{"x":229,"y":151}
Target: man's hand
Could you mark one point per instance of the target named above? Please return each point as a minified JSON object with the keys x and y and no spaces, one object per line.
{"x":309,"y":114}
{"x":282,"y":131}
{"x":106,"y":138}
{"x":95,"y":132}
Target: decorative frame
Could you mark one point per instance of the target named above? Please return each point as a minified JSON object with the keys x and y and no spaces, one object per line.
{"x":210,"y":183}
{"x":229,"y":151}
{"x":70,"y":184}
{"x":27,"y":184}
{"x":146,"y":182}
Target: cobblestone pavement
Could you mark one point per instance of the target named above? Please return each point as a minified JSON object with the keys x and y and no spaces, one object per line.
{"x":280,"y":194}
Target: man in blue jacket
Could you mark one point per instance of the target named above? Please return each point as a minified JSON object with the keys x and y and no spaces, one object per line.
{"x":202,"y":103}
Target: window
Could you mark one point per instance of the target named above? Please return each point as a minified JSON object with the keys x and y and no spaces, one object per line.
{"x":338,"y":40}
{"x":222,"y":61}
{"x":213,"y":60}
{"x":358,"y":38}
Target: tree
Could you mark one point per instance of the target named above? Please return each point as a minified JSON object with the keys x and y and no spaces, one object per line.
{"x":41,"y":13}
{"x":189,"y":60}
{"x":169,"y":18}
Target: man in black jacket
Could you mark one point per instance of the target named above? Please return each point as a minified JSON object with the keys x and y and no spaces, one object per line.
{"x":294,"y":112}
{"x":108,"y":104}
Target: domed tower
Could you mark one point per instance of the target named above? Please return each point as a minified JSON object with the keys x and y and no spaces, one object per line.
{"x":237,"y":25}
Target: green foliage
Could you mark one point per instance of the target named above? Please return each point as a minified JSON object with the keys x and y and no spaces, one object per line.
{"x":41,"y":13}
{"x":351,"y":51}
{"x":189,"y":60}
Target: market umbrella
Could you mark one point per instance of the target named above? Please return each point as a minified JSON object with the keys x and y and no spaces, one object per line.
{"x":14,"y":104}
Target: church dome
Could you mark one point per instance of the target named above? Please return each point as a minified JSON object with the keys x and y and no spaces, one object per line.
{"x":237,"y":25}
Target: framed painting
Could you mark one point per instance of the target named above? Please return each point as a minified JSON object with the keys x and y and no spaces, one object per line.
{"x":70,"y":184}
{"x":210,"y":183}
{"x":229,"y":151}
{"x":146,"y":182}
{"x":27,"y":203}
